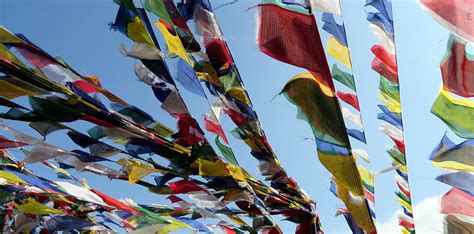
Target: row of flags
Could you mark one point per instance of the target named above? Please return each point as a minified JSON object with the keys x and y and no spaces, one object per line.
{"x":453,"y":107}
{"x":296,"y":41}
{"x":200,"y":182}
{"x":380,"y":18}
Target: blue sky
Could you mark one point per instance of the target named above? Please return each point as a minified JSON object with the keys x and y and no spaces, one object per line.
{"x":78,"y":32}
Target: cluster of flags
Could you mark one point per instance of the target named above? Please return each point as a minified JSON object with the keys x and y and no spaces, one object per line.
{"x":202,"y":178}
{"x":454,"y":108}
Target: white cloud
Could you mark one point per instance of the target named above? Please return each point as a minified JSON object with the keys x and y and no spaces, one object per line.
{"x":427,"y":218}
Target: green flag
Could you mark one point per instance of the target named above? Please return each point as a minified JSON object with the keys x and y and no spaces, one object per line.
{"x":227,"y":152}
{"x":392,"y":90}
{"x":158,"y":8}
{"x":343,"y":77}
{"x":457,"y":114}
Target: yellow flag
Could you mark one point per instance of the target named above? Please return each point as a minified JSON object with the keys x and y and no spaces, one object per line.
{"x":212,"y":168}
{"x":344,"y":169}
{"x":33,"y":207}
{"x":365,"y":175}
{"x":405,"y":204}
{"x":236,"y":172}
{"x":339,"y":52}
{"x":137,"y":32}
{"x":357,"y":207}
{"x":454,"y":166}
{"x":10,"y":91}
{"x":7,"y":36}
{"x":239,"y":94}
{"x":6,"y":54}
{"x":175,"y":47}
{"x":136,"y":170}
{"x":392,"y":104}
{"x":11,"y":177}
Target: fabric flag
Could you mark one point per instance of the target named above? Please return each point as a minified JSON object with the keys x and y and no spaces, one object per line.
{"x":329,"y":6}
{"x":343,"y":167}
{"x":349,"y":98}
{"x":175,"y":47}
{"x":81,"y":193}
{"x":454,"y":15}
{"x":381,"y":21}
{"x":458,"y":224}
{"x":393,"y":116}
{"x":400,"y":144}
{"x":385,"y":39}
{"x":11,"y":91}
{"x":362,"y":154}
{"x":460,"y":180}
{"x":388,"y":59}
{"x":357,"y":206}
{"x":354,"y":118}
{"x":390,"y":121}
{"x":453,"y":113}
{"x":185,"y":186}
{"x":142,"y":51}
{"x":66,"y":223}
{"x":31,"y":206}
{"x":129,"y":23}
{"x":337,"y":30}
{"x":396,"y":155}
{"x":115,"y":203}
{"x":383,"y":6}
{"x":318,"y":107}
{"x":186,"y":76}
{"x":212,"y":168}
{"x":11,"y":177}
{"x":350,"y":221}
{"x":214,"y":127}
{"x":174,"y":104}
{"x":392,"y":131}
{"x":295,"y":41}
{"x":135,"y":170}
{"x":384,"y":70}
{"x":343,"y":77}
{"x":357,"y":134}
{"x":5,"y":143}
{"x":392,"y":104}
{"x":226,"y":152}
{"x":457,"y":202}
{"x":451,"y":156}
{"x":457,"y":68}
{"x":339,"y":52}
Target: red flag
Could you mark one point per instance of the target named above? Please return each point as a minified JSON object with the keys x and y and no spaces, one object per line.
{"x":404,"y":190}
{"x":85,"y":86}
{"x":217,"y":51}
{"x":406,"y":224}
{"x":213,"y":127}
{"x":384,"y":70}
{"x":349,"y":98}
{"x":189,"y":132}
{"x":400,"y":145}
{"x":185,"y":186}
{"x":174,"y":198}
{"x":115,"y":203}
{"x":457,"y":70}
{"x":455,"y":15}
{"x":389,"y":59}
{"x":457,"y":201}
{"x":6,"y":143}
{"x":293,"y":38}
